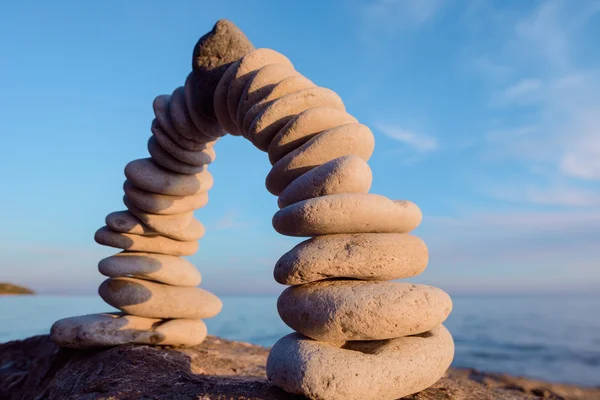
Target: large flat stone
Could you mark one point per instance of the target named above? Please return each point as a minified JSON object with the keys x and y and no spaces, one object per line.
{"x":365,"y":256}
{"x":342,"y":310}
{"x":155,"y":300}
{"x":382,"y":370}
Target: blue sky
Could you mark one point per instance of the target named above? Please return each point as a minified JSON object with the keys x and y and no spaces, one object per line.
{"x":485,"y":113}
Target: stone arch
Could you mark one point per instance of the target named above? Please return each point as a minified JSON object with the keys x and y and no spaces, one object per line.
{"x":359,"y":335}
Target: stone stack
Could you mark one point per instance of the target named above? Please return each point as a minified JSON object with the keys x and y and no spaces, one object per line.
{"x":149,"y":281}
{"x":358,"y":334}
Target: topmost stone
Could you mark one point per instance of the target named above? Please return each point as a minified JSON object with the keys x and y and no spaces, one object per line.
{"x":212,"y":55}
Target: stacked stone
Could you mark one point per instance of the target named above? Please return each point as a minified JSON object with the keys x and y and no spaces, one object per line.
{"x":359,"y":335}
{"x":150,"y":282}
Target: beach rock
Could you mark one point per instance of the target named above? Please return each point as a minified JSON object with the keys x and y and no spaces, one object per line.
{"x":347,"y":174}
{"x":160,"y":222}
{"x":220,"y":99}
{"x":274,"y":117}
{"x":181,"y":120}
{"x":212,"y":55}
{"x":198,"y":158}
{"x":246,"y":69}
{"x":208,"y":127}
{"x":303,"y":127}
{"x":342,"y":310}
{"x":347,"y":213}
{"x":155,"y":267}
{"x":112,"y":329}
{"x":125,"y":222}
{"x":36,"y":368}
{"x":167,"y":161}
{"x":146,"y":175}
{"x":151,"y":244}
{"x":162,"y":107}
{"x":287,"y":86}
{"x":350,"y":139}
{"x":155,"y":300}
{"x":364,"y":256}
{"x":260,"y":85}
{"x":174,"y":226}
{"x":379,"y":370}
{"x":163,"y":204}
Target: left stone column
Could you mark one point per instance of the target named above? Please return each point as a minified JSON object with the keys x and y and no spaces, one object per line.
{"x":149,"y":281}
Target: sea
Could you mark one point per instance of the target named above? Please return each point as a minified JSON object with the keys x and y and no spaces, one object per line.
{"x":550,"y":337}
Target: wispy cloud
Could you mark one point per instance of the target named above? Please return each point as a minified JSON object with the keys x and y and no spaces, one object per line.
{"x":418,"y":142}
{"x":230,"y":220}
{"x":558,"y":195}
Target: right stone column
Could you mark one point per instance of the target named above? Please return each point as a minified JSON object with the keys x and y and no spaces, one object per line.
{"x":359,"y":335}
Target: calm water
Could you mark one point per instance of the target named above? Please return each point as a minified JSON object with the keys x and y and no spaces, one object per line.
{"x":551,"y":338}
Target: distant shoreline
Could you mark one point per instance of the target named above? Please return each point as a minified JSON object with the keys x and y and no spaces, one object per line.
{"x":9,"y":289}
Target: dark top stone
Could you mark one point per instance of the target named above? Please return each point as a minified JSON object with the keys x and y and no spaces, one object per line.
{"x":212,"y":55}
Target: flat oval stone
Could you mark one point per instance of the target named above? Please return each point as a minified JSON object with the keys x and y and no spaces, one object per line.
{"x":173,"y":226}
{"x":347,"y":213}
{"x":248,"y":67}
{"x":146,"y":175}
{"x":163,"y":204}
{"x":156,"y":300}
{"x":365,"y":256}
{"x":274,"y":117}
{"x":220,"y":99}
{"x":150,"y":244}
{"x":160,"y":223}
{"x":167,"y":161}
{"x":125,"y":222}
{"x":387,"y":369}
{"x":287,"y":86}
{"x":161,"y":106}
{"x":206,"y":125}
{"x":343,"y":140}
{"x":347,"y":174}
{"x":181,"y":119}
{"x":260,"y":85}
{"x":155,"y":267}
{"x":199,"y":158}
{"x":343,"y":310}
{"x":113,"y":329}
{"x":303,"y":127}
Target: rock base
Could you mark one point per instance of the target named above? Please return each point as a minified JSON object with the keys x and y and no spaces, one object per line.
{"x":36,"y":368}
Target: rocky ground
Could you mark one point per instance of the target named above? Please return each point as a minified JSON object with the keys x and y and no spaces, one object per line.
{"x":36,"y":368}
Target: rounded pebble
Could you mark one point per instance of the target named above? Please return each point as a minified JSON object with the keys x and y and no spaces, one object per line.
{"x":167,"y":161}
{"x":148,"y":176}
{"x":113,"y":329}
{"x":364,"y":256}
{"x":150,"y":244}
{"x":155,"y":267}
{"x":163,"y":204}
{"x":248,"y":67}
{"x":343,"y":310}
{"x":156,"y":300}
{"x":206,"y":125}
{"x":347,"y":213}
{"x":220,"y":99}
{"x":287,"y":86}
{"x":347,"y":174}
{"x":198,"y":158}
{"x":260,"y":85}
{"x":275,"y":115}
{"x":336,"y":142}
{"x":380,"y":370}
{"x":303,"y":127}
{"x":125,"y":222}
